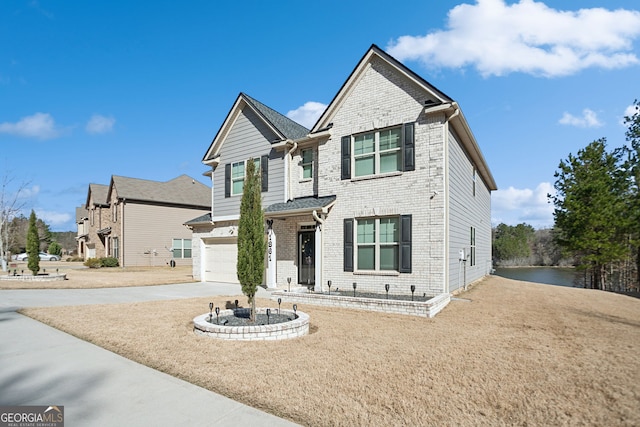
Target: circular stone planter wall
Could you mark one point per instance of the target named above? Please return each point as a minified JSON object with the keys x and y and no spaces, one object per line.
{"x":279,"y":331}
{"x":38,"y":278}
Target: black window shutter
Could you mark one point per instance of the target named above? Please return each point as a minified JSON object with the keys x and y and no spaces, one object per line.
{"x":264,"y":167}
{"x":408,"y":147}
{"x":346,"y":157}
{"x":405,"y":244}
{"x":348,"y":244}
{"x":227,"y":180}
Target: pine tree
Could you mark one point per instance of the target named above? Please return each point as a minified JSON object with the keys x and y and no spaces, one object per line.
{"x":590,"y":217}
{"x":632,"y":166}
{"x":33,"y":245}
{"x":251,"y":240}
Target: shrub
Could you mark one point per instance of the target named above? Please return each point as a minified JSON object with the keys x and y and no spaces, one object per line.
{"x":109,"y":262}
{"x":93,"y":263}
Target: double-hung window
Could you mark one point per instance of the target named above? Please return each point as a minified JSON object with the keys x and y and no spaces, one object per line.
{"x":238,"y":173}
{"x":378,"y":243}
{"x":182,"y":248}
{"x":377,"y":152}
{"x":307,"y":163}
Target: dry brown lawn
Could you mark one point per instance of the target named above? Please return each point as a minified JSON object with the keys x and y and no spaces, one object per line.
{"x":85,"y":278}
{"x":515,"y":354}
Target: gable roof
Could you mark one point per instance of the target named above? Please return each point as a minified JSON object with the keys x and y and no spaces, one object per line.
{"x":436,"y":95}
{"x":99,"y":193}
{"x":282,"y":126}
{"x":182,"y":190}
{"x":435,"y":100}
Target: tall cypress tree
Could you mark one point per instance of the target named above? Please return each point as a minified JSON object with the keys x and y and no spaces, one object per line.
{"x":251,"y":240}
{"x":33,"y":245}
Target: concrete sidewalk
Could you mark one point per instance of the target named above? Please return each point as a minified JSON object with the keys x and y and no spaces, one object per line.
{"x":44,"y":366}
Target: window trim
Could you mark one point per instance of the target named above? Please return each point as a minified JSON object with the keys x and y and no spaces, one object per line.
{"x":377,"y":245}
{"x":258,"y":164}
{"x":304,"y":164}
{"x":182,"y":248}
{"x":472,"y":247}
{"x":376,"y":153}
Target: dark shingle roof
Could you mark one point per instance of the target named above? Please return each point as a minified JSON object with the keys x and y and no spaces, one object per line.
{"x":285,"y":125}
{"x":99,"y":193}
{"x":202,"y":219}
{"x":182,"y":190}
{"x":300,"y":204}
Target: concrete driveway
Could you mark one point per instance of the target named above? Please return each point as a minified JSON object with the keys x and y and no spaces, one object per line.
{"x":44,"y":366}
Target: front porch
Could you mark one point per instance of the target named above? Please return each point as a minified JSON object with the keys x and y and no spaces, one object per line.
{"x":295,"y":242}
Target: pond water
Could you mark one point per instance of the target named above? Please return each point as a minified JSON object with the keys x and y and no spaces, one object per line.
{"x":558,"y":276}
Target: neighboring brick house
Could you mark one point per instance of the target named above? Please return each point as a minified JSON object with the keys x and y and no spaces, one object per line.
{"x":140,"y":222}
{"x":389,"y":186}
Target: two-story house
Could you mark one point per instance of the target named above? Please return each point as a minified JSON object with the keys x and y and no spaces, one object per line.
{"x":141,"y":222}
{"x":389,"y":186}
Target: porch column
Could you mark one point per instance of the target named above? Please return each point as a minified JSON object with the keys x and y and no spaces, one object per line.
{"x":271,"y":255}
{"x":318,"y":256}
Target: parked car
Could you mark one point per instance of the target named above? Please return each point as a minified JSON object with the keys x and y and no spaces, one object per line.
{"x":43,"y":257}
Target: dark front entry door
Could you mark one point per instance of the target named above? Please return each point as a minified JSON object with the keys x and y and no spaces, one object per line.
{"x":306,"y":257}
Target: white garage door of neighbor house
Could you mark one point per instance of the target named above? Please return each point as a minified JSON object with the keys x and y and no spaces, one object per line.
{"x":220,"y":261}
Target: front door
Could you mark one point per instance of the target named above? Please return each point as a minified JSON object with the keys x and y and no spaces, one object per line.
{"x":307,"y":257}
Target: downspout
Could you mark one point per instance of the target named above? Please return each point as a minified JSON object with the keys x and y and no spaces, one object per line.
{"x":287,"y":172}
{"x":320,"y":256}
{"x":445,"y":130}
{"x":122,"y":233}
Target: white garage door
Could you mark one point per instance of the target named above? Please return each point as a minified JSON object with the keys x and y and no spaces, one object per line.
{"x":220,"y":258}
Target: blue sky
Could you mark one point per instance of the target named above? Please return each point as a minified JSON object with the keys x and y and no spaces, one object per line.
{"x":139,"y":89}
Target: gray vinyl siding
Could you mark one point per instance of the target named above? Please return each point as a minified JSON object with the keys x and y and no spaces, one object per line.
{"x":466,"y":211}
{"x":248,"y":137}
{"x":149,"y":231}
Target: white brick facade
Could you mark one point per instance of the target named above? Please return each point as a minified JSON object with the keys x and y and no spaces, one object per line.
{"x":381,"y":94}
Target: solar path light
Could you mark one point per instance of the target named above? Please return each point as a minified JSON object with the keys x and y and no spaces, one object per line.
{"x":386,"y":288}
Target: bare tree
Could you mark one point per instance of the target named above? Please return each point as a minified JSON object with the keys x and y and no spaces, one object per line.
{"x":10,"y":206}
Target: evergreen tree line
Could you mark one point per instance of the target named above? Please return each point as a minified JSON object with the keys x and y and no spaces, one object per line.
{"x":597,"y":210}
{"x":596,"y":217}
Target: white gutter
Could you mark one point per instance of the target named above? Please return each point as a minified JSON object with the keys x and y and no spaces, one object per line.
{"x":318,"y":249}
{"x":287,"y":170}
{"x":445,"y":131}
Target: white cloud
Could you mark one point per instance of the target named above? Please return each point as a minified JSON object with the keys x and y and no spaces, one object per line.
{"x":308,"y":114}
{"x":514,"y":206}
{"x":529,"y":37}
{"x":589,"y":119}
{"x":39,"y":125}
{"x":54,"y":218}
{"x":100,"y":124}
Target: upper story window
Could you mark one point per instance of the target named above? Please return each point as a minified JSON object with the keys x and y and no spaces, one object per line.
{"x":307,"y":163}
{"x":378,"y":152}
{"x":238,"y":174}
{"x":475,"y":177}
{"x":114,"y":212}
